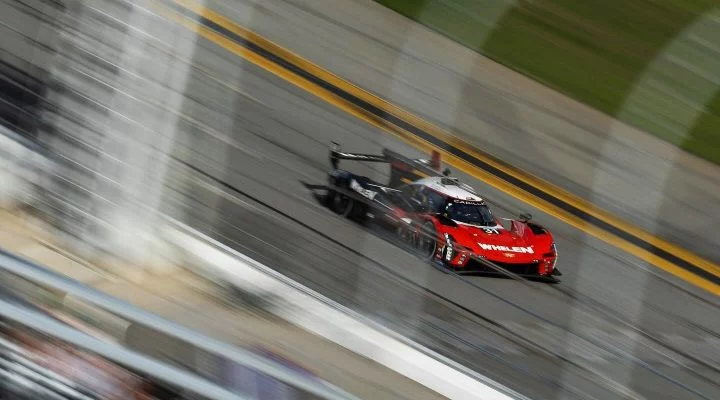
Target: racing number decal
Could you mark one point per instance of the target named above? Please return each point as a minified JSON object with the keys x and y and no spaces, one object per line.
{"x":354,"y":185}
{"x":491,"y":231}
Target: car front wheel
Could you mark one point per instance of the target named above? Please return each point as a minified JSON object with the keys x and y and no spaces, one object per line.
{"x":427,"y":241}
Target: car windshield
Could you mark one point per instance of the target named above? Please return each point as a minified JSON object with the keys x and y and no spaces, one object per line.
{"x":470,"y":213}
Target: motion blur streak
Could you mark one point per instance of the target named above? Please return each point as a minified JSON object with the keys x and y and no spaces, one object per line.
{"x":252,"y":137}
{"x":390,"y":118}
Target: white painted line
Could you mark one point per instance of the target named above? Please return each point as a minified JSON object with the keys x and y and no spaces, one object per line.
{"x":321,"y":316}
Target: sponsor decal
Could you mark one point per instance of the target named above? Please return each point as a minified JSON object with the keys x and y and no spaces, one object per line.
{"x":509,"y":255}
{"x":472,"y":203}
{"x":354,"y":185}
{"x":517,"y":249}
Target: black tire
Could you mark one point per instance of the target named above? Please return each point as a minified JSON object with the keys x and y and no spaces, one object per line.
{"x":405,"y":233}
{"x":346,"y":206}
{"x":340,"y":204}
{"x":427,"y":242}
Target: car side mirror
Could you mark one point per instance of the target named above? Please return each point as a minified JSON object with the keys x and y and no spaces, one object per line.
{"x":525,"y":217}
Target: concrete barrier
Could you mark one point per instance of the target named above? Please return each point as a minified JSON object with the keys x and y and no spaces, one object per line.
{"x":320,"y":315}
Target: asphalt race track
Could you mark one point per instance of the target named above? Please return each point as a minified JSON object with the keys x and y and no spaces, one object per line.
{"x":615,"y":327}
{"x":610,"y":316}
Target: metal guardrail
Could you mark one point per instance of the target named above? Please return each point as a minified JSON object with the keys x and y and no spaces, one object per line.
{"x":34,"y":273}
{"x":41,"y":323}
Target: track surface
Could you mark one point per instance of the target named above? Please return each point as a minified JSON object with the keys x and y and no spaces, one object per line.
{"x":249,"y":194}
{"x":253,"y":140}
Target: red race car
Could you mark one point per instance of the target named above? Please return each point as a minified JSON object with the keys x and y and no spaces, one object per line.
{"x":443,"y":218}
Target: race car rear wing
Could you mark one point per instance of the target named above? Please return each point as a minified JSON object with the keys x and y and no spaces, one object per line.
{"x":336,"y":155}
{"x":402,"y":169}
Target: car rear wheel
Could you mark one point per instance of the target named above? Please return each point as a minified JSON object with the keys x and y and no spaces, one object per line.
{"x":340,"y":204}
{"x":346,"y":206}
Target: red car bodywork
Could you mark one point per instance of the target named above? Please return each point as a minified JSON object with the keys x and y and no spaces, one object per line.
{"x":518,"y":246}
{"x":443,"y":217}
{"x":517,"y":249}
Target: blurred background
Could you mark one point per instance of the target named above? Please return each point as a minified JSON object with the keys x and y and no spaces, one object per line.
{"x":160,"y":235}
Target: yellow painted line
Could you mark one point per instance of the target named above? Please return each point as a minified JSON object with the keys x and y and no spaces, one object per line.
{"x":419,"y":173}
{"x":446,"y":137}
